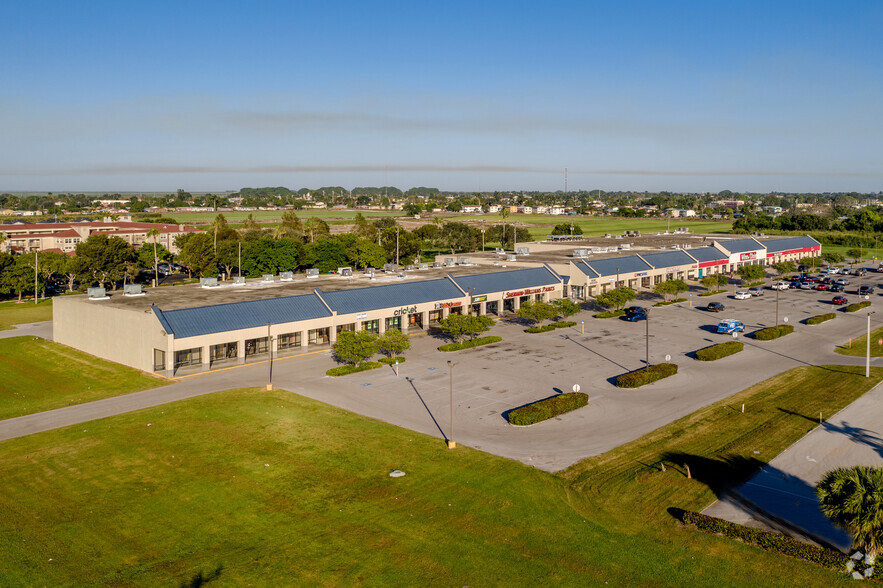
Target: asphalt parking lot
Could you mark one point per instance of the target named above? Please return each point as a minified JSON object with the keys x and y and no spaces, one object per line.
{"x":523,"y":368}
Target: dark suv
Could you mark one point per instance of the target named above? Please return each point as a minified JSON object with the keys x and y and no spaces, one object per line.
{"x":714,"y":307}
{"x":635,"y":310}
{"x":866,"y":290}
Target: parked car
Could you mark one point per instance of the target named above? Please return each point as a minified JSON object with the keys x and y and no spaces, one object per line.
{"x":834,"y":270}
{"x":859,"y":271}
{"x":806,"y":285}
{"x":714,"y":307}
{"x":821,"y":286}
{"x":755,"y":291}
{"x":779,"y":286}
{"x":843,"y":281}
{"x":880,"y":268}
{"x":801,"y":268}
{"x":636,"y":316}
{"x":835,"y":288}
{"x":635,"y":310}
{"x":742,"y":295}
{"x":839,"y":300}
{"x":730,"y":326}
{"x":865,"y":289}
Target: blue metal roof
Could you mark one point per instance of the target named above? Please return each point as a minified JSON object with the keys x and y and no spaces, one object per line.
{"x":390,"y":295}
{"x":703,"y":254}
{"x":203,"y":320}
{"x":584,"y":268}
{"x":508,"y":280}
{"x":741,"y":245}
{"x":668,"y":259}
{"x":789,"y":243}
{"x":618,"y":265}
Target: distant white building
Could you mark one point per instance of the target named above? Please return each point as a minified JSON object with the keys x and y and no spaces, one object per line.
{"x":472,"y":208}
{"x":680,"y":212}
{"x":494,"y":209}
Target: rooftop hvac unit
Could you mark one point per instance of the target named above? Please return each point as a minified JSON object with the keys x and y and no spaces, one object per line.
{"x":390,"y":267}
{"x":239,"y":280}
{"x":511,"y":257}
{"x":581,"y":253}
{"x":423,"y":266}
{"x":208,"y":282}
{"x":626,"y":246}
{"x":524,"y":251}
{"x":312,"y":273}
{"x":345,"y":271}
{"x":370,"y":271}
{"x":450,"y":261}
{"x":464,"y":261}
{"x":606,"y":235}
{"x":97,"y":294}
{"x":410,"y":268}
{"x":499,"y":251}
{"x":436,"y":264}
{"x":267,"y":278}
{"x":133,"y":290}
{"x":286,"y":276}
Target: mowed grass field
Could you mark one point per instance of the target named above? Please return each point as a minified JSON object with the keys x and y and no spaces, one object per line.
{"x":38,"y":375}
{"x":15,"y":313}
{"x":248,"y":487}
{"x":858,"y":347}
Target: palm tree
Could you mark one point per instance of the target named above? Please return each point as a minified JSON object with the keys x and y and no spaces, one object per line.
{"x":153,"y":234}
{"x":853,"y":499}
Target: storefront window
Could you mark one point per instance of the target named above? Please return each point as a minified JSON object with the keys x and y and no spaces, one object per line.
{"x":347,"y":327}
{"x":394,"y":323}
{"x":187,"y":357}
{"x":288,"y":340}
{"x":222,"y":352}
{"x":371,"y":326}
{"x":435,"y":316}
{"x":256,"y":346}
{"x":159,"y":360}
{"x":317,"y":336}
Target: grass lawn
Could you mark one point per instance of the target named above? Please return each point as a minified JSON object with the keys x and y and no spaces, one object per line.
{"x":13,"y":313}
{"x":48,"y":375}
{"x":267,"y":488}
{"x":595,"y":227}
{"x":858,"y":347}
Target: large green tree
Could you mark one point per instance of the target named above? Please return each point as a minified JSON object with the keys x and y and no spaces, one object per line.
{"x":458,"y":326}
{"x":670,"y":288}
{"x":751,"y":273}
{"x":394,"y":343}
{"x":537,"y":312}
{"x":853,"y":499}
{"x":566,"y":307}
{"x":197,"y":254}
{"x":104,"y":258}
{"x":714,"y":281}
{"x":270,"y":256}
{"x":355,"y":346}
{"x":364,"y":254}
{"x":326,"y":255}
{"x":616,"y":298}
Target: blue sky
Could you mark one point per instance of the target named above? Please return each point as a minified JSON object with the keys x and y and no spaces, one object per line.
{"x":698,"y":96}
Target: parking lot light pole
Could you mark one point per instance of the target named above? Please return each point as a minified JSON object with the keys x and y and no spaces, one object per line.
{"x":647,"y":339}
{"x":868,"y":351}
{"x":269,"y":363}
{"x":777,"y":305}
{"x":451,"y":443}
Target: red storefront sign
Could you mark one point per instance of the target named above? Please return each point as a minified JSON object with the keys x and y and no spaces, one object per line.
{"x":528,"y":291}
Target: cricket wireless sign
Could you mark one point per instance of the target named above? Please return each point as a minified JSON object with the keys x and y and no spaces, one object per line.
{"x":405,"y":311}
{"x":529,"y":291}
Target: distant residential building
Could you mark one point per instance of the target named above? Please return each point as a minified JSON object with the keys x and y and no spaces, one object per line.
{"x":680,"y":212}
{"x":64,"y":237}
{"x":494,"y":209}
{"x":472,"y":209}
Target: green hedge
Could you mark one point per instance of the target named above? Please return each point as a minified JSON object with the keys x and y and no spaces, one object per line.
{"x":392,"y":360}
{"x":468,"y":344}
{"x":828,"y":558}
{"x":646,"y":375}
{"x":814,"y":320}
{"x":720,"y":350}
{"x":667,"y":302}
{"x":771,"y":333}
{"x":857,"y":306}
{"x":352,"y":369}
{"x":712,"y":292}
{"x":609,"y":314}
{"x":543,"y":329}
{"x":548,"y":408}
{"x":563,"y":324}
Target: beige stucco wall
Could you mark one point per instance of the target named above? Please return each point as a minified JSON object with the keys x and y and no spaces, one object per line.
{"x":124,"y":336}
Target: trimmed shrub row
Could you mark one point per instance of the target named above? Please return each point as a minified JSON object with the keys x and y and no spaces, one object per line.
{"x":711,"y":292}
{"x":392,"y":360}
{"x":833,"y":560}
{"x":542,"y":329}
{"x":720,"y":350}
{"x":468,"y":344}
{"x":352,"y":369}
{"x":857,"y":306}
{"x":771,"y":333}
{"x":646,"y":375}
{"x":550,"y":327}
{"x":548,"y":408}
{"x":609,"y":314}
{"x":814,"y":320}
{"x":667,"y":302}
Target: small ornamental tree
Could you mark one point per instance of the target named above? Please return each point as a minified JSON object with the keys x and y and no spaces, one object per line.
{"x":566,"y":307}
{"x":832,"y":257}
{"x":457,"y":326}
{"x":670,"y":288}
{"x":712,"y":282}
{"x":537,"y":312}
{"x":616,"y":298}
{"x":394,"y":343}
{"x":855,"y":253}
{"x":751,"y":273}
{"x":355,"y":346}
{"x":785,"y":267}
{"x":809,"y":261}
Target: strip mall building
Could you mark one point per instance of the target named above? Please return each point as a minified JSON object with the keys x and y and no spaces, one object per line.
{"x":193,"y":328}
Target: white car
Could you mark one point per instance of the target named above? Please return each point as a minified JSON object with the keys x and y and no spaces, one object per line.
{"x":779,"y":286}
{"x":843,"y":281}
{"x":834,"y":270}
{"x":742,"y":295}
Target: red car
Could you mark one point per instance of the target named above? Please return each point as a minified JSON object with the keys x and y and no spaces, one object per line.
{"x":821,"y":286}
{"x":839,"y":300}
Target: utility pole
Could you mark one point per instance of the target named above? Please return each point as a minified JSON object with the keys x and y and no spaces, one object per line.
{"x":36,"y":273}
{"x":397,"y":244}
{"x":240,"y":259}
